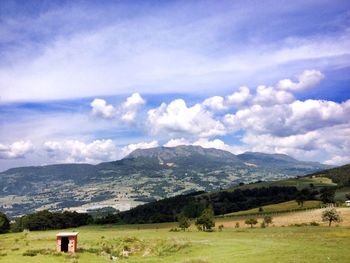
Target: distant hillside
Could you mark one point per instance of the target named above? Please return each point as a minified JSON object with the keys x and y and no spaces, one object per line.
{"x":339,"y":175}
{"x":142,"y":176}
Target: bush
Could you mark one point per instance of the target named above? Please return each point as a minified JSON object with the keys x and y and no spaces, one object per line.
{"x":206,"y":221}
{"x":313,"y":223}
{"x":267,"y":220}
{"x":251,"y":221}
{"x":237,"y":225}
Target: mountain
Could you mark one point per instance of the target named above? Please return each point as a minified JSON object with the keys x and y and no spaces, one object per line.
{"x":279,"y":161}
{"x":142,"y":176}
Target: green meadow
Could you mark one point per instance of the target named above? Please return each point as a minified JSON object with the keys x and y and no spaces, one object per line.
{"x":155,"y":243}
{"x":290,"y":205}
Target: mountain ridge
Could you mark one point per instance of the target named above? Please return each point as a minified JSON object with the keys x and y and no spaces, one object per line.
{"x":144,"y":174}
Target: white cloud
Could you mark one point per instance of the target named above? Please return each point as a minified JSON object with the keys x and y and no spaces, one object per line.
{"x":215,"y":103}
{"x":130,"y":107}
{"x":142,"y":145}
{"x":15,"y":150}
{"x":178,"y":118}
{"x":239,"y":98}
{"x":177,"y":142}
{"x":102,"y":109}
{"x":74,"y":151}
{"x":308,"y":79}
{"x":219,"y":144}
{"x":127,"y":111}
{"x":288,"y":119}
{"x":330,"y":144}
{"x":338,"y":160}
{"x":270,"y":96}
{"x":158,"y":50}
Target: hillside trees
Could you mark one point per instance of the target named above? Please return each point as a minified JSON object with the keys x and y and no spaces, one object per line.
{"x":45,"y":220}
{"x":4,"y":223}
{"x":327,"y":195}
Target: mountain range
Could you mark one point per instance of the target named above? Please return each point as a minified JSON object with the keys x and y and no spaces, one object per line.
{"x":144,"y":175}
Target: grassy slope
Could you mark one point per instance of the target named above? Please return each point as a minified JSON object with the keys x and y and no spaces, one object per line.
{"x":279,"y":244}
{"x":290,"y":205}
{"x":300,"y":183}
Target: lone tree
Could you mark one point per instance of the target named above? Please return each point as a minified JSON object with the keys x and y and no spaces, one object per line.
{"x":251,"y":221}
{"x":4,"y":223}
{"x":330,"y":215}
{"x":267,"y":220}
{"x":184,"y":222}
{"x":206,"y":221}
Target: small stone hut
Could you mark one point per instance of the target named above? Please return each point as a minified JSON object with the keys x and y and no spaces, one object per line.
{"x":67,"y":242}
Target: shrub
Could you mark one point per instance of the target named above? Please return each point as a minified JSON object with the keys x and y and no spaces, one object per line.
{"x":206,"y":221}
{"x":251,"y":221}
{"x":184,"y":222}
{"x":30,"y":253}
{"x":237,"y":225}
{"x":267,"y":220}
{"x":313,"y":223}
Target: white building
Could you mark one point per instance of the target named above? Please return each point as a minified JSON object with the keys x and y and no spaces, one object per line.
{"x":347,"y":203}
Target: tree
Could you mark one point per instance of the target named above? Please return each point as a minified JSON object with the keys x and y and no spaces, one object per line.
{"x":184,"y":222}
{"x":267,"y":220}
{"x":206,"y":221}
{"x":327,"y":195}
{"x":347,"y":196}
{"x":330,"y":215}
{"x":251,"y":221}
{"x":4,"y":223}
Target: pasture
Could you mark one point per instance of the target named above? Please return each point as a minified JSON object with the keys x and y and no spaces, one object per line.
{"x":155,"y":243}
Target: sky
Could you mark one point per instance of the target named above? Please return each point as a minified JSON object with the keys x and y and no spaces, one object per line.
{"x":91,"y":81}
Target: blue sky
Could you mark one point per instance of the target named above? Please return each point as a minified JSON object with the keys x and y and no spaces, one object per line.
{"x":89,"y":81}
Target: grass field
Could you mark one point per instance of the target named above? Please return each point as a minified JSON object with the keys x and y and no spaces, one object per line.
{"x":300,"y":183}
{"x":155,"y":243}
{"x":290,"y":205}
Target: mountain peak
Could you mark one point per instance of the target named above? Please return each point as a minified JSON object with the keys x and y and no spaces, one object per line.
{"x":181,"y":151}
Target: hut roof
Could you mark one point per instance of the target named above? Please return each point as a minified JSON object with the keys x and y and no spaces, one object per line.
{"x":67,"y":234}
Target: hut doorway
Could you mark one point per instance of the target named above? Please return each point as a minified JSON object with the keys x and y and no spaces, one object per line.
{"x":64,"y":244}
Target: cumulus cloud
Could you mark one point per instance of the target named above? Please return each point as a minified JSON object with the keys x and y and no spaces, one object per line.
{"x":15,"y":150}
{"x":206,"y":143}
{"x":215,"y":103}
{"x":178,"y":118}
{"x":177,"y":142}
{"x":142,"y":145}
{"x":130,"y":107}
{"x":270,"y":96}
{"x":219,"y":144}
{"x":288,"y":119}
{"x":75,"y":151}
{"x":100,"y":108}
{"x":239,"y":98}
{"x":127,"y":111}
{"x":308,"y":79}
